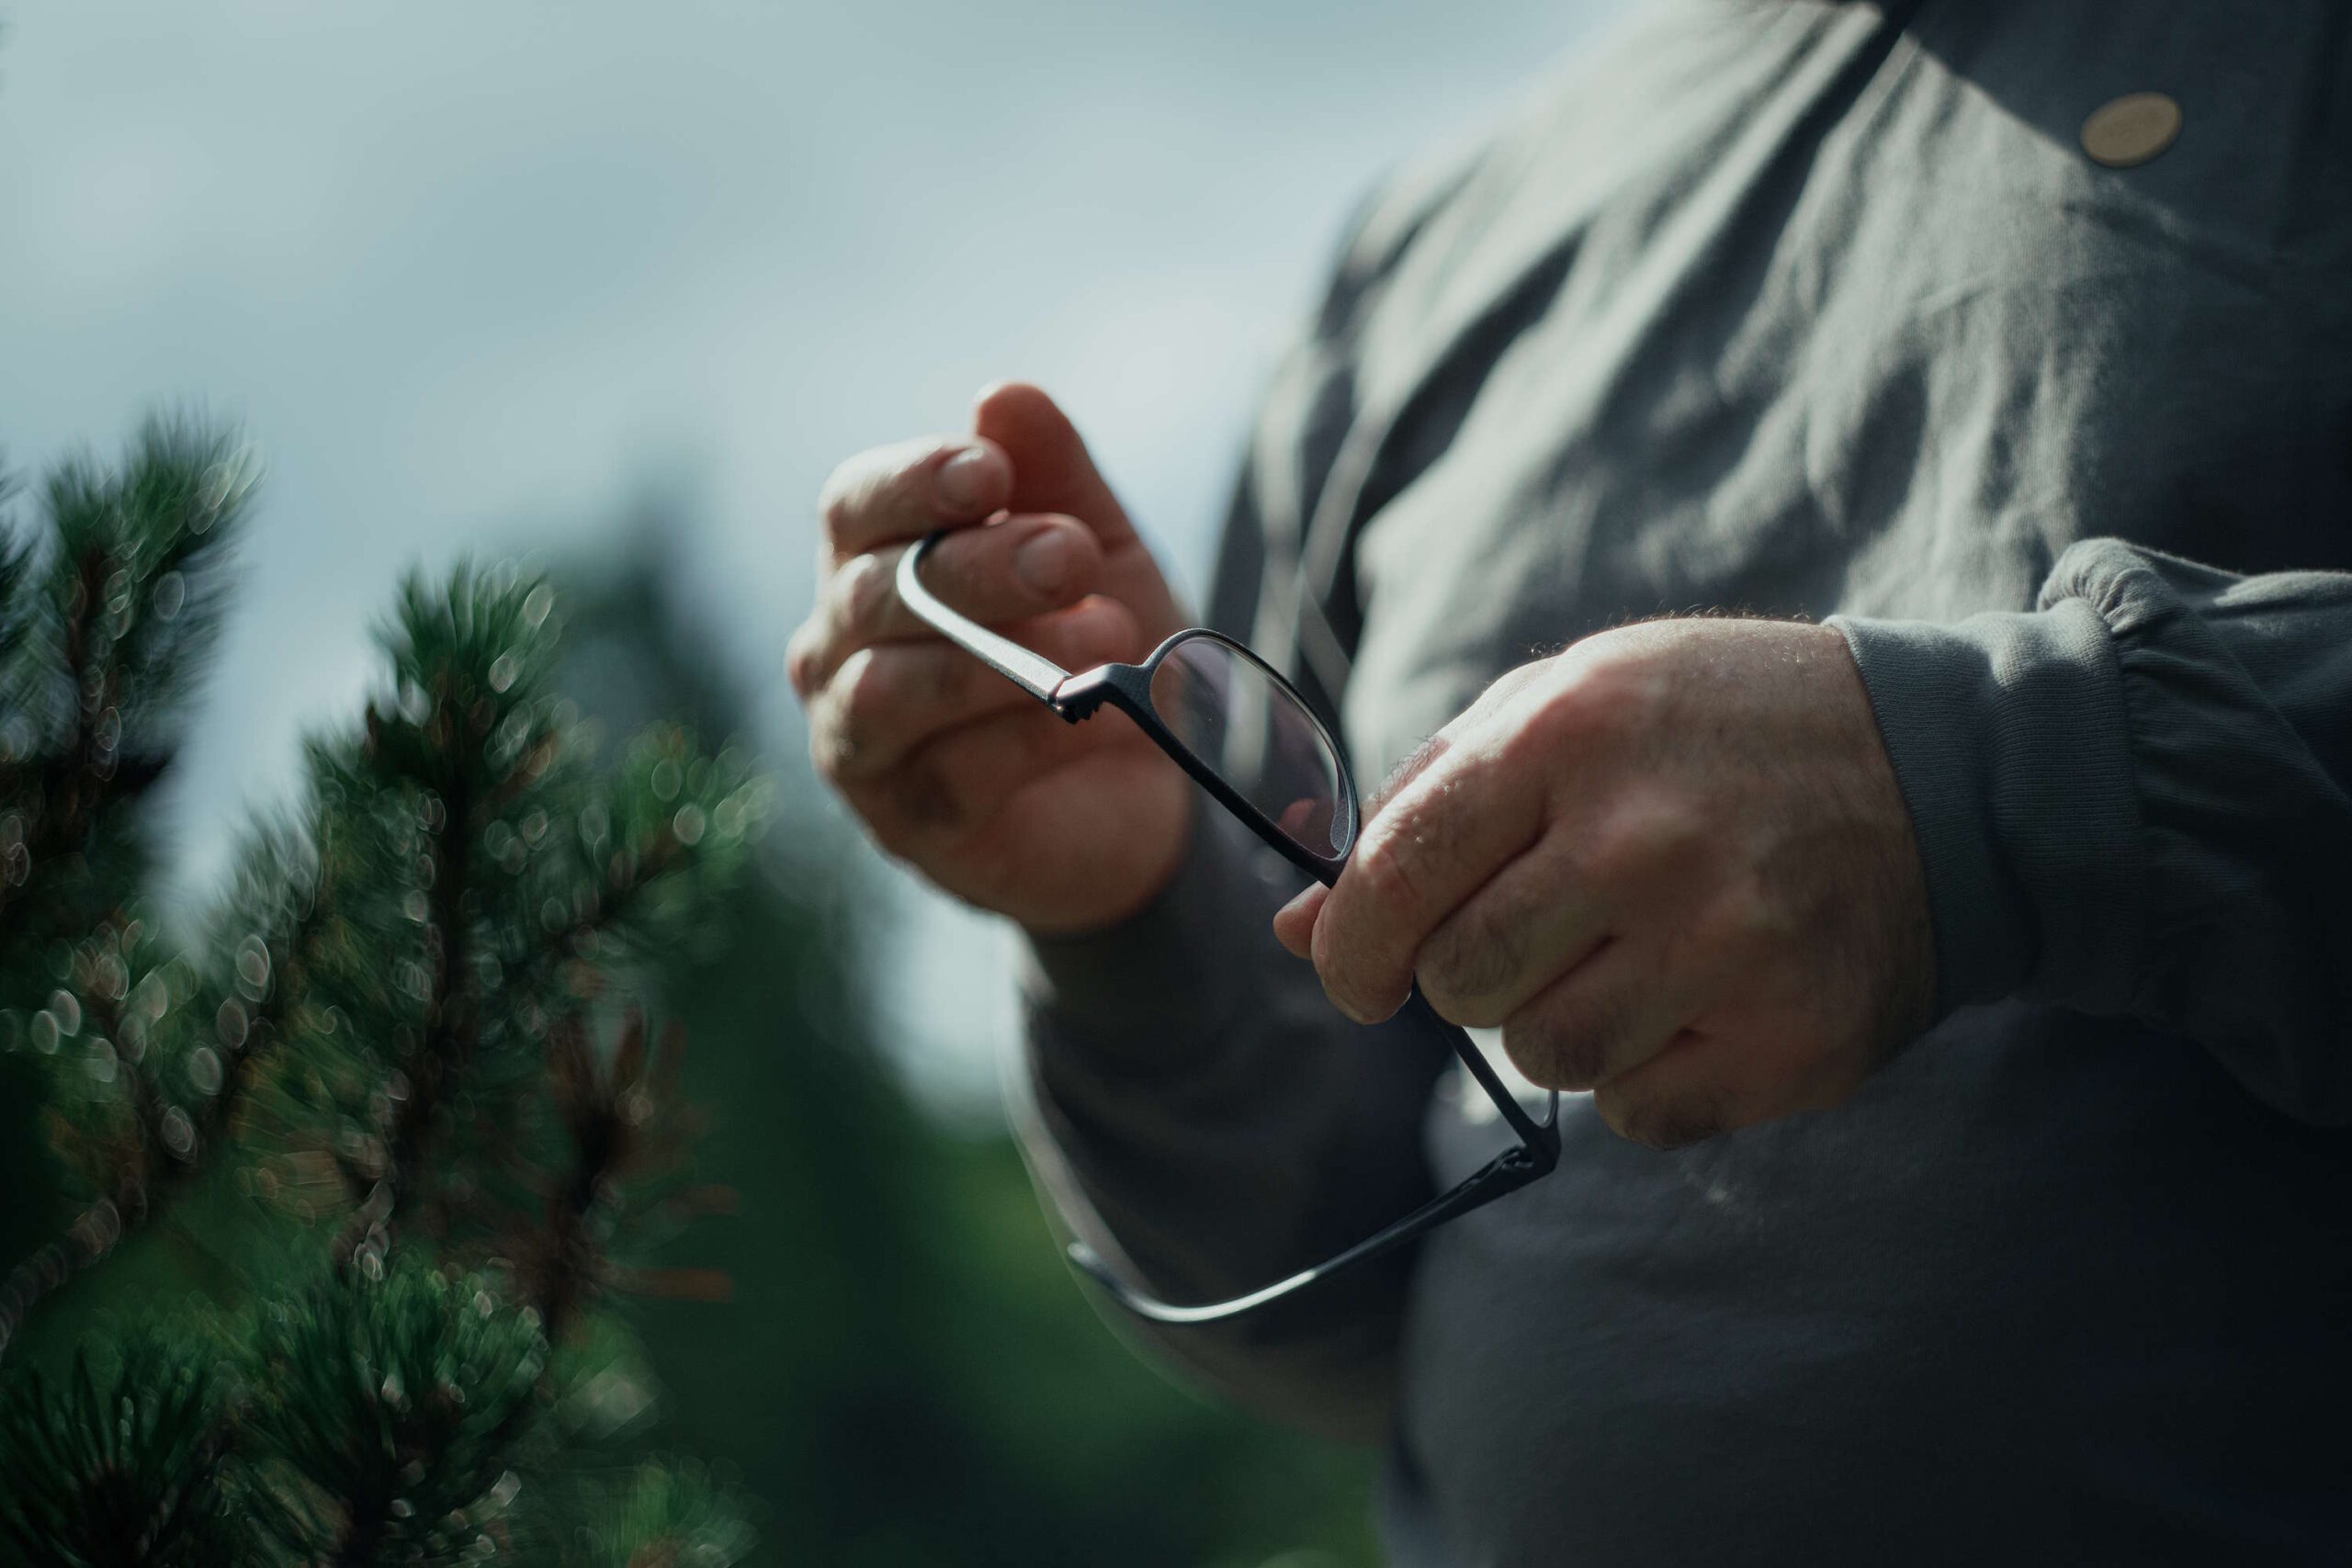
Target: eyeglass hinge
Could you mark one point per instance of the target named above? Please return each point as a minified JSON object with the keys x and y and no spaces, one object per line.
{"x":1079,"y":697}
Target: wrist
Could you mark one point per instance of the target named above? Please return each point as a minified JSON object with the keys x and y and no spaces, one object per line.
{"x":1172,"y":961}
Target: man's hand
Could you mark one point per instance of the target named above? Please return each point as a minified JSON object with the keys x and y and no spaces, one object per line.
{"x":957,"y":771}
{"x":1671,"y":864}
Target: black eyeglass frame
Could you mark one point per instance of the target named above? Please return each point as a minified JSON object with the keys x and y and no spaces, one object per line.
{"x":1127,"y":687}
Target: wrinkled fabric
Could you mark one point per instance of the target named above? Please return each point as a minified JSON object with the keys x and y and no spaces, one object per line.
{"x":1804,"y":308}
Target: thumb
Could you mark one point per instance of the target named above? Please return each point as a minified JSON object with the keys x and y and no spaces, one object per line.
{"x":1051,"y":470}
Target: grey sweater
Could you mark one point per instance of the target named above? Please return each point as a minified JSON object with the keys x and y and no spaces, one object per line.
{"x":1822,"y":309}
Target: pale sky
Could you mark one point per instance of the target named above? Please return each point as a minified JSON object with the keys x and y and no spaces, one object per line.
{"x":469,"y":273}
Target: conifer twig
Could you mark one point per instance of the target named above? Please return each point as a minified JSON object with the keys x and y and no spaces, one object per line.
{"x":146,"y":1182}
{"x":452,"y":1025}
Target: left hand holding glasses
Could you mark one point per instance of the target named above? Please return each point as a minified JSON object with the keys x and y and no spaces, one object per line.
{"x":1672,"y":864}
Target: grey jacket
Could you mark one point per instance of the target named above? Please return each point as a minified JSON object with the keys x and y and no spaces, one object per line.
{"x":1822,"y":309}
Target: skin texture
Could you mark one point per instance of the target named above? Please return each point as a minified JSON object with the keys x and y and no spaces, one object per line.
{"x":954,"y":769}
{"x":1672,"y":865}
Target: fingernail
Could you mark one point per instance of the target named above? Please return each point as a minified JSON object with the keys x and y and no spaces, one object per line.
{"x":1043,"y":564}
{"x":964,"y":479}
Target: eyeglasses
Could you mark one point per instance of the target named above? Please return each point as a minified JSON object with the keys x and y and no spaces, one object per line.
{"x":1248,"y":739}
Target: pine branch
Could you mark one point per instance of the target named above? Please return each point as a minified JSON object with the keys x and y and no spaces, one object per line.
{"x":172,"y":1147}
{"x":452,"y":1028}
{"x":666,"y":1515}
{"x":467,"y":734}
{"x":101,"y":640}
{"x":102,"y":626}
{"x":91,"y":1237}
{"x":502,"y":967}
{"x":127,"y":1471}
{"x":57,"y":795}
{"x":102,"y":1224}
{"x":626,"y":1125}
{"x":388,"y":1403}
{"x":392,"y":1406}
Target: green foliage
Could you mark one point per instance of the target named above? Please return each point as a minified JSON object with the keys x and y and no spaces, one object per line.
{"x":133,"y":588}
{"x":387,"y":1416}
{"x":667,"y":1515}
{"x":128,"y":1471}
{"x":407,"y":1061}
{"x":107,"y":611}
{"x":109,"y":604}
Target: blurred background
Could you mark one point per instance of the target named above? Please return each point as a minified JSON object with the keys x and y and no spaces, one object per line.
{"x":615,"y":286}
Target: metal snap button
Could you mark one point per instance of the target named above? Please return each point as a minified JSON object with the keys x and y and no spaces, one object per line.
{"x":2131,"y":129}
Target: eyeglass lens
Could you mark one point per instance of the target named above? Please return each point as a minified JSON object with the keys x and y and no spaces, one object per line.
{"x":1233,"y":715}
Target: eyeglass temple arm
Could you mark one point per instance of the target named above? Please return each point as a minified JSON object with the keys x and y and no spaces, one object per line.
{"x":1032,"y":672}
{"x":1539,"y":1137}
{"x":1537,"y":1154}
{"x":1509,"y":1171}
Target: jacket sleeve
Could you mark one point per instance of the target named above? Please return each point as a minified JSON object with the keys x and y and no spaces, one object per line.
{"x":1197,"y":1111}
{"x":2133,"y":801}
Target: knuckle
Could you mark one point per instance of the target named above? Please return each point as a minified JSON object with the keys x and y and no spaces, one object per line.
{"x":864,"y":588}
{"x":832,"y":750}
{"x":1384,"y":870}
{"x":829,"y":754}
{"x":1345,"y":966}
{"x":800,"y":660}
{"x":1616,"y":847}
{"x":1471,"y":960}
{"x":1512,"y":681}
{"x":1087,"y":632}
{"x":1593,"y":700}
{"x":838,"y":499}
{"x":1570,"y":714}
{"x":864,"y":688}
{"x":1688,"y":834}
{"x":1744,"y":915}
{"x":1644,"y":841}
{"x":1427,"y":827}
{"x":1426,"y":755}
{"x":1562,"y":1048}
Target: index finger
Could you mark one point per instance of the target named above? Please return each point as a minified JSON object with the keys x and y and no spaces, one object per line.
{"x":1458,"y":819}
{"x":904,"y":490}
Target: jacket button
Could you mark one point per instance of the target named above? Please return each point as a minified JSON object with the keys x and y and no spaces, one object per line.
{"x":2131,"y":129}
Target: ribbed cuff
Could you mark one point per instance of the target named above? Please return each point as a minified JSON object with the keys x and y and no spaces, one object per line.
{"x":2009,"y":738}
